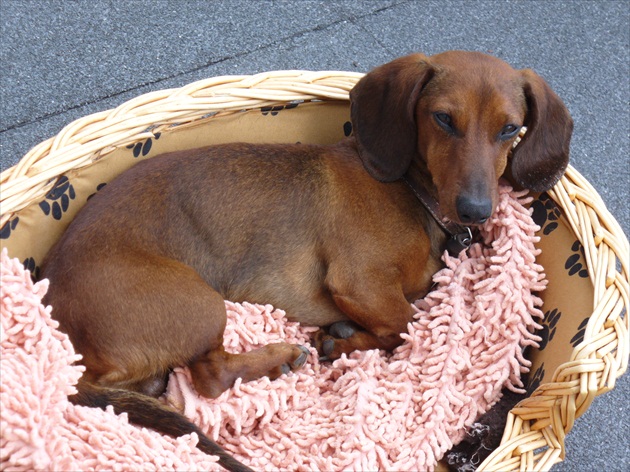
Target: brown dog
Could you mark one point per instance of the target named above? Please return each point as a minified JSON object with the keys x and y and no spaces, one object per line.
{"x":331,"y":234}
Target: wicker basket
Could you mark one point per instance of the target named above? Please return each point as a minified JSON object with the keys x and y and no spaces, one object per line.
{"x":584,"y":251}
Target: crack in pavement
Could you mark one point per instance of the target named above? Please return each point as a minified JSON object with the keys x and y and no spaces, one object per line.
{"x":321,"y":27}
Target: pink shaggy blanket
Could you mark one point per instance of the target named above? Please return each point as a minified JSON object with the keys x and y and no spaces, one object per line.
{"x":367,"y":411}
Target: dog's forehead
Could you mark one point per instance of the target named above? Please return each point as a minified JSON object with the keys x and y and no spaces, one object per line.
{"x":474,"y":78}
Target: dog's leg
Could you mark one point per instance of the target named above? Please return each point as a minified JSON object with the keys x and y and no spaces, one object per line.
{"x":157,"y":314}
{"x":381,"y":310}
{"x":213,"y":369}
{"x":218,"y":370}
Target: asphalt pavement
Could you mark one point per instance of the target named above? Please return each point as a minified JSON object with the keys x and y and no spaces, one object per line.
{"x":61,"y":60}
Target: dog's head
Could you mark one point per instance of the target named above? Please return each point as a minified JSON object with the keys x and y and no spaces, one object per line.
{"x":458,"y":114}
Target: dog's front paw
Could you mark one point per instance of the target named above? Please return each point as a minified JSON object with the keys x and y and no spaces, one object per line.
{"x":343,"y":329}
{"x":328,"y":347}
{"x":331,"y":342}
{"x":324,"y":343}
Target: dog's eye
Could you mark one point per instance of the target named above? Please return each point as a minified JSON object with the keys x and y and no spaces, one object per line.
{"x":509,"y":131}
{"x":444,"y":120}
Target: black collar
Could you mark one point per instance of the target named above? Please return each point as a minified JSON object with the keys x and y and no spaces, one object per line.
{"x":460,"y":237}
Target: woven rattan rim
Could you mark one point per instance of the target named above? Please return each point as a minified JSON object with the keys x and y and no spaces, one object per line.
{"x":534,"y":436}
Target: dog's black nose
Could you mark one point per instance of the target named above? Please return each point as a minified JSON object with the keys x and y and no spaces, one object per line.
{"x":473,"y":211}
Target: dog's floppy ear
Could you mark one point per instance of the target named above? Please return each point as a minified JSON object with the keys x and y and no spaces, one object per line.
{"x":542,"y":156}
{"x":383,"y":115}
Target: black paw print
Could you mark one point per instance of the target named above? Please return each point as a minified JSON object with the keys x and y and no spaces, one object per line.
{"x":29,"y":264}
{"x":275,"y":109}
{"x":579,"y":336}
{"x":347,"y":128}
{"x":143,"y":148}
{"x":534,"y":380}
{"x":548,"y":330}
{"x":98,"y":188}
{"x":9,"y":226}
{"x":59,"y":197}
{"x":574,"y":263}
{"x":545,"y":213}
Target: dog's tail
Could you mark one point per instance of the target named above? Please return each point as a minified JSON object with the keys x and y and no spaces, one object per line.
{"x":146,"y":411}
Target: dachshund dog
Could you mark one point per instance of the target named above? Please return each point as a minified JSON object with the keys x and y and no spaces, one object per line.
{"x":334,"y":235}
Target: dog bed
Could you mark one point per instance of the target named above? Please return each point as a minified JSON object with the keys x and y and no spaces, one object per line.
{"x":370,"y":411}
{"x":583,"y":344}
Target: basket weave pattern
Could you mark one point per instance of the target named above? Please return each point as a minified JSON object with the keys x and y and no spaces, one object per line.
{"x":536,"y":428}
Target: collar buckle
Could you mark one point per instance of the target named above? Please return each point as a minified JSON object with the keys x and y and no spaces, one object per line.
{"x":459,"y":242}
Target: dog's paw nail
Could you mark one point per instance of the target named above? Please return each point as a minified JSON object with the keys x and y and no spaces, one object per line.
{"x":342,"y":329}
{"x":285,"y":368}
{"x":323,"y":358}
{"x":327,"y":346}
{"x":301,"y":360}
